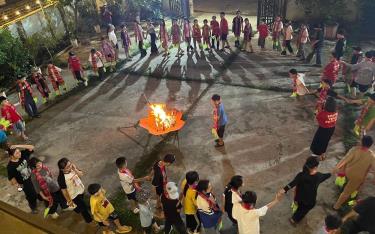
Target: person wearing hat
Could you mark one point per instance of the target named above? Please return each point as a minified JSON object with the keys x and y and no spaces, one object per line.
{"x":41,"y":83}
{"x":306,"y":183}
{"x":26,"y":97}
{"x":366,"y":119}
{"x":365,"y":74}
{"x":54,"y":74}
{"x":159,"y":176}
{"x":355,"y":165}
{"x":96,"y":61}
{"x":317,"y":46}
{"x":237,"y":27}
{"x":74,"y":64}
{"x":10,"y":113}
{"x":103,"y":211}
{"x":171,"y":207}
{"x":247,"y":215}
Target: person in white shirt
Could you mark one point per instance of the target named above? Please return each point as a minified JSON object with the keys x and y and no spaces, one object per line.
{"x":246,"y":214}
{"x":303,"y":38}
{"x":288,"y":38}
{"x":113,"y":38}
{"x":96,"y":61}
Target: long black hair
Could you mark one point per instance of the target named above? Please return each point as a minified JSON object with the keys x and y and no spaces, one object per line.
{"x":235,"y":183}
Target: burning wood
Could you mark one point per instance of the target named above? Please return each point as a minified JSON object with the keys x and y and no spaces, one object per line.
{"x":162,"y":120}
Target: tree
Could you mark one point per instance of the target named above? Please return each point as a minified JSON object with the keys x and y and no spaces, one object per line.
{"x":74,"y":5}
{"x":14,"y":57}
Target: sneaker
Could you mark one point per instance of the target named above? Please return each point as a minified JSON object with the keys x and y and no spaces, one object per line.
{"x":45,"y":213}
{"x":136,"y":211}
{"x":54,"y":215}
{"x":85,"y":83}
{"x":294,"y":94}
{"x":124,"y":229}
{"x":69,"y":208}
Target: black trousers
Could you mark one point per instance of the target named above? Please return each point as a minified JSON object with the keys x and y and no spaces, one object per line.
{"x":143,"y":51}
{"x":78,"y":76}
{"x":289,"y":46}
{"x":193,"y":223}
{"x":178,"y":225}
{"x":58,"y":199}
{"x":31,"y":195}
{"x":301,"y":212}
{"x":101,"y":73}
{"x":154,"y":48}
{"x":30,"y":107}
{"x":82,"y":208}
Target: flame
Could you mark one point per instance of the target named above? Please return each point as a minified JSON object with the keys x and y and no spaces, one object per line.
{"x":163,"y":119}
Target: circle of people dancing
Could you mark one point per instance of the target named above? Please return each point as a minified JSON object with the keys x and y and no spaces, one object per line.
{"x":194,"y":197}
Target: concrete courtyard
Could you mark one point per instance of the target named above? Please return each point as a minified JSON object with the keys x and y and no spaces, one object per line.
{"x":266,"y":141}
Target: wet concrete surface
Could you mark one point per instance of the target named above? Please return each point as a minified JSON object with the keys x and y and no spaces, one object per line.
{"x":267,"y":137}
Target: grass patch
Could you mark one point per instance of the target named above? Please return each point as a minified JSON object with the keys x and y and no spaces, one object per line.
{"x":3,"y":170}
{"x":127,"y":217}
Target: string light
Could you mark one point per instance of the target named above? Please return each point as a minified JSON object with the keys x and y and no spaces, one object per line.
{"x":17,"y":12}
{"x":5,"y":17}
{"x":37,"y":2}
{"x":27,"y":7}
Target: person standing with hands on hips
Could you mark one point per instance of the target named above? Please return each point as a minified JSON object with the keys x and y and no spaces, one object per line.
{"x":220,"y":120}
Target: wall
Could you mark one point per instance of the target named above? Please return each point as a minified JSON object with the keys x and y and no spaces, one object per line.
{"x":296,"y":12}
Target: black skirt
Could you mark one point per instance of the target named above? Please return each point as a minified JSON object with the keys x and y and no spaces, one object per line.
{"x":321,"y":139}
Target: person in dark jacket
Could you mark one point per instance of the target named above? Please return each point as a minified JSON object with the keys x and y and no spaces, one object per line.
{"x":340,"y":45}
{"x":306,"y":183}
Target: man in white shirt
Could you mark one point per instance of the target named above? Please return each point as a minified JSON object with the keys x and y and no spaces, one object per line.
{"x":288,"y":38}
{"x":246,"y":214}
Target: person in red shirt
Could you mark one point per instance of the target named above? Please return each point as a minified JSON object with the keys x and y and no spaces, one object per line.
{"x":197,"y":35}
{"x":327,"y":118}
{"x":263,"y":34}
{"x":224,"y":30}
{"x":215,"y":32}
{"x":206,"y":33}
{"x":74,"y":65}
{"x":9,"y":112}
{"x":331,"y":71}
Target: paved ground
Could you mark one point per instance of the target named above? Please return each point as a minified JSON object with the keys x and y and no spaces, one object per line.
{"x":267,"y":137}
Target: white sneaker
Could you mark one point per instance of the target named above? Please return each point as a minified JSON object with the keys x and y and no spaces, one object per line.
{"x":85,"y":83}
{"x":70,"y":208}
{"x":54,"y":215}
{"x":136,"y":211}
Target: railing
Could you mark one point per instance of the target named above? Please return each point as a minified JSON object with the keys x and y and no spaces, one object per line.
{"x":13,"y":12}
{"x":13,"y":220}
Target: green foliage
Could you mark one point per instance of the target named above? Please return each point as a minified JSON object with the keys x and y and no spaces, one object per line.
{"x":147,"y":8}
{"x":327,"y":10}
{"x":14,"y":57}
{"x":40,"y":45}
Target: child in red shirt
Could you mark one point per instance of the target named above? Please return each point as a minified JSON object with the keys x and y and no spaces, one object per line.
{"x":9,"y":112}
{"x":263,"y":34}
{"x":74,"y":65}
{"x":331,"y":71}
{"x":206,"y":33}
{"x":215,"y":32}
{"x":197,"y":35}
{"x":224,"y":30}
{"x":327,"y":118}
